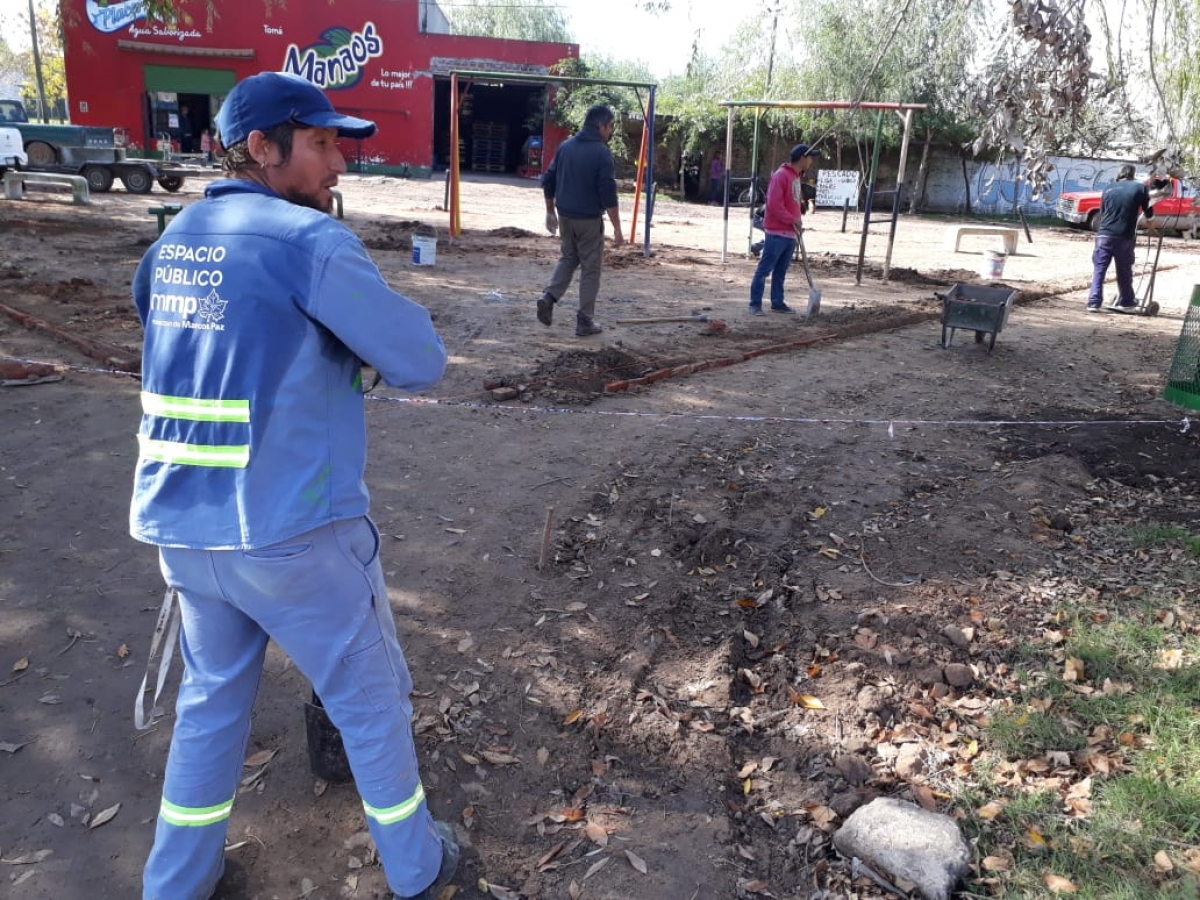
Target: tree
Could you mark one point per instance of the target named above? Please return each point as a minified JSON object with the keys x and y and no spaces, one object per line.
{"x":572,"y":101}
{"x":525,"y":20}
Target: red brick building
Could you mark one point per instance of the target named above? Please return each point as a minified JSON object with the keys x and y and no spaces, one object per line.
{"x":386,"y":60}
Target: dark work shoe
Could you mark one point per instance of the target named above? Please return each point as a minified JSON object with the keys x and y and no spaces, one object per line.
{"x":545,"y":310}
{"x":756,"y":310}
{"x":782,"y":309}
{"x":1095,"y":308}
{"x":587,"y":329}
{"x":450,"y":854}
{"x":1125,"y":307}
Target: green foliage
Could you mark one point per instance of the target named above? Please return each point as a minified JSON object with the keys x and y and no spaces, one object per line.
{"x":1130,"y":723}
{"x":525,"y":20}
{"x":572,"y":101}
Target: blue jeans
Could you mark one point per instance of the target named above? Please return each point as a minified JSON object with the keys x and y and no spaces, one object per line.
{"x":776,"y":257}
{"x":1112,"y":249}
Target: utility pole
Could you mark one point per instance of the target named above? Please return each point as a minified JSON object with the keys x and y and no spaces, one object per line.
{"x":771,"y":56}
{"x":37,"y":64}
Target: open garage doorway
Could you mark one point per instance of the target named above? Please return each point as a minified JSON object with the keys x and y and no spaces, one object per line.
{"x":495,"y":123}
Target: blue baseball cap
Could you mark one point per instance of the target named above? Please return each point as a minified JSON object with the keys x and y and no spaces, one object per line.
{"x":802,"y":150}
{"x":268,"y":99}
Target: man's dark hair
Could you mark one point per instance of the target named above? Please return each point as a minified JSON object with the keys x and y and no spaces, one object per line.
{"x":1126,"y":173}
{"x":597,"y":116}
{"x":238,"y":158}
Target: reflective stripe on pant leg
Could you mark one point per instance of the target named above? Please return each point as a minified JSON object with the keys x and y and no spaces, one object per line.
{"x":396,"y":813}
{"x":194,"y":817}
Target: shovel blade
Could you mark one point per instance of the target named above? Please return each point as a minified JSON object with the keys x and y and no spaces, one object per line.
{"x":814,"y":303}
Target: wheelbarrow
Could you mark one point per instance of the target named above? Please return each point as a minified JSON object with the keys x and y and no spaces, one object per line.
{"x":983,"y":310}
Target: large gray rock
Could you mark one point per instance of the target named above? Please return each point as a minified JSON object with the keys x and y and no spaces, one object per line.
{"x":903,"y":842}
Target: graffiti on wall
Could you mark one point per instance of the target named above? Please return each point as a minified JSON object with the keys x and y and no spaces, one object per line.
{"x":996,"y":188}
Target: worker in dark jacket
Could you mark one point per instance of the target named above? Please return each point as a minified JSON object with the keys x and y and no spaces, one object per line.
{"x":582,"y":183}
{"x":1116,"y":234}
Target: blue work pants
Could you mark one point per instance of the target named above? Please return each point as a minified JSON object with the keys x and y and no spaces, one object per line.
{"x":775,"y":259}
{"x":322,"y":598}
{"x":1119,"y":251}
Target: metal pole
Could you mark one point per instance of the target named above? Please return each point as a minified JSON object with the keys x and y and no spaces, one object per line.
{"x":650,"y":195}
{"x":454,"y":160}
{"x":907,"y":116}
{"x":866,"y":225}
{"x":758,"y":114}
{"x":728,"y":164}
{"x":37,"y":65}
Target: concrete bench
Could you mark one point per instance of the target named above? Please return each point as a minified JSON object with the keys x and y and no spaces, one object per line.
{"x":164,"y":212}
{"x":15,"y":183}
{"x":955,"y":234}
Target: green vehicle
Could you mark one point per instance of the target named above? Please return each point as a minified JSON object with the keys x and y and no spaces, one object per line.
{"x":98,"y":154}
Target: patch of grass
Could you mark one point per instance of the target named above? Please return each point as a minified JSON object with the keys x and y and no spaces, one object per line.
{"x":1152,"y":536}
{"x":1098,"y":779}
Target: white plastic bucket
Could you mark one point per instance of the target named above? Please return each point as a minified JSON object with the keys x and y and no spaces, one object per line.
{"x":993,"y":264}
{"x":424,"y":250}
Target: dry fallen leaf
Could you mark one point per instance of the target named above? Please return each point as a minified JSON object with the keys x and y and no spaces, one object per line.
{"x":500,"y":759}
{"x":105,"y":815}
{"x":596,"y":833}
{"x":573,"y":716}
{"x":261,"y":758}
{"x":996,"y":863}
{"x":1073,"y":669}
{"x":1162,"y":861}
{"x":21,"y":664}
{"x":636,"y":861}
{"x":990,"y":810}
{"x":1059,"y":885}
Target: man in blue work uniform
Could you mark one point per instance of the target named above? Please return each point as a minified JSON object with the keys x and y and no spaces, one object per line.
{"x":582,"y":183}
{"x":1116,"y":233}
{"x":259,"y":311}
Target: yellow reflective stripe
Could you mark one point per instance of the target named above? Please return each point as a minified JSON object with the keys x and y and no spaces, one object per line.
{"x":394,"y":814}
{"x":194,"y":817}
{"x":236,"y":456}
{"x":194,"y":409}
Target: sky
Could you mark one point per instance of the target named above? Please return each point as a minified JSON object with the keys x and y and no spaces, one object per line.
{"x":616,"y":28}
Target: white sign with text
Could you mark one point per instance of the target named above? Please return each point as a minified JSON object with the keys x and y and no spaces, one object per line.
{"x":835,"y":187}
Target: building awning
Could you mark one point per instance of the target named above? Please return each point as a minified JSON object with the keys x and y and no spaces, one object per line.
{"x":188,"y":80}
{"x":177,"y":50}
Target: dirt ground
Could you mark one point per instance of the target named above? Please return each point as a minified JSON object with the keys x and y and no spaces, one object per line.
{"x":793,"y":526}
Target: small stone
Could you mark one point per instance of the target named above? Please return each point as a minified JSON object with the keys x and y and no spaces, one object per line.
{"x":959,"y":675}
{"x":957,"y":637}
{"x":505,"y":393}
{"x":870,"y":699}
{"x":931,"y":675}
{"x":854,"y":769}
{"x":910,"y":761}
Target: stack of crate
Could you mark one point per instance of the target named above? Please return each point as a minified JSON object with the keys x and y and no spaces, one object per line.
{"x":489,"y":145}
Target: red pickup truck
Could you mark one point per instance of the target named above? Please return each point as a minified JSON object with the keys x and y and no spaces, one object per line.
{"x":1176,"y":205}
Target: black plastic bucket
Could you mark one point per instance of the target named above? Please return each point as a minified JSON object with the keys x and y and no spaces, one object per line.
{"x":326,"y":752}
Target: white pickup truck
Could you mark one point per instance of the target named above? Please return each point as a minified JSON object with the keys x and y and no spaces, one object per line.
{"x":12,"y":153}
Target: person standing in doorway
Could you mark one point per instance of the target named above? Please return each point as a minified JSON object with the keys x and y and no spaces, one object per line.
{"x":187,"y":134}
{"x":259,"y":310}
{"x":716,"y":180}
{"x":1116,"y":234}
{"x":581,"y":184}
{"x":781,"y":217}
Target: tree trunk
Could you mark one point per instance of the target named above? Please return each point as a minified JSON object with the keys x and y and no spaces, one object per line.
{"x":966,"y":180}
{"x":918,"y":195}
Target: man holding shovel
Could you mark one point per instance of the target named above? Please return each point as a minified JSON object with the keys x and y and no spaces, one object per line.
{"x":781,"y":220}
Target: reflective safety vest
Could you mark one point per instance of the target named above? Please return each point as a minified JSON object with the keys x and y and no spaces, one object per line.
{"x":258,"y":316}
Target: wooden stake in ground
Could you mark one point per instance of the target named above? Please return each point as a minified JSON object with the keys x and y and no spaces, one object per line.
{"x":545,"y":539}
